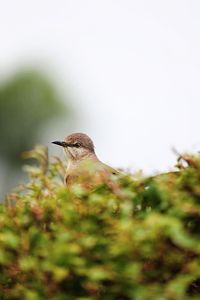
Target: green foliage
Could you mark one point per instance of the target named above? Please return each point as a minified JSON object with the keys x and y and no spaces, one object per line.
{"x":138,"y":242}
{"x":27,"y":102}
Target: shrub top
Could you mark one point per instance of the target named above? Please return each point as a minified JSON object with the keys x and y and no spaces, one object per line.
{"x":140,"y":241}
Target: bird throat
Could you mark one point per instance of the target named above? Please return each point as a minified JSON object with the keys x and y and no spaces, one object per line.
{"x":75,"y":155}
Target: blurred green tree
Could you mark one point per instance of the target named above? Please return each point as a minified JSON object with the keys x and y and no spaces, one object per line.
{"x":28,"y":101}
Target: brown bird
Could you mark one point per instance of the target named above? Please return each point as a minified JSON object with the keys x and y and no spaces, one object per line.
{"x":83,"y":165}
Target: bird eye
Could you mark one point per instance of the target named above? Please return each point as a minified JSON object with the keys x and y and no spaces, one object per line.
{"x":77,"y":145}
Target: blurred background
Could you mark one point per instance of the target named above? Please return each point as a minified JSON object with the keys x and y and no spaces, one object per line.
{"x":125,"y":72}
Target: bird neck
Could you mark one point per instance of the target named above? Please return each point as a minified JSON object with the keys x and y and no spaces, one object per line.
{"x":73,"y":163}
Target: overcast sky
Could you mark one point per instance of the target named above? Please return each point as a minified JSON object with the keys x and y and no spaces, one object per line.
{"x":133,"y":67}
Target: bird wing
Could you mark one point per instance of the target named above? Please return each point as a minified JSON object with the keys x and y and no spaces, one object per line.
{"x":110,"y":169}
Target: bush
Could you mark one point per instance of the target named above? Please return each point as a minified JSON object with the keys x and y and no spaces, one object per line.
{"x":141,"y":242}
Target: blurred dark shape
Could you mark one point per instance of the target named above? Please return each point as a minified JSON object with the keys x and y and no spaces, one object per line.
{"x":28,"y":102}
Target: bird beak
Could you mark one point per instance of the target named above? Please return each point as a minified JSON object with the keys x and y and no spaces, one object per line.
{"x":63,"y":144}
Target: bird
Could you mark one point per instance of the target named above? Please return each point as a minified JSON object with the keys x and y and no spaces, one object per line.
{"x":83,"y":166}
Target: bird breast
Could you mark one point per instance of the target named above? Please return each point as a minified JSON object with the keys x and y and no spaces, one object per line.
{"x":87,"y":173}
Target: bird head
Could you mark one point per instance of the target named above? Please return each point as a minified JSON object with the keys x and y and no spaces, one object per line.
{"x":77,"y":146}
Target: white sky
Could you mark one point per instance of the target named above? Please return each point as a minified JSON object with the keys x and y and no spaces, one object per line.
{"x":134,"y":67}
